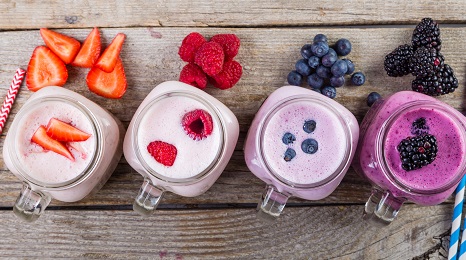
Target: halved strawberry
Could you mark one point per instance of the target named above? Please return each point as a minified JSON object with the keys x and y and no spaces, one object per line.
{"x":41,"y":138}
{"x":63,"y":46}
{"x":107,"y":61}
{"x":109,"y":85}
{"x":61,"y":131}
{"x":45,"y":69}
{"x":90,"y":50}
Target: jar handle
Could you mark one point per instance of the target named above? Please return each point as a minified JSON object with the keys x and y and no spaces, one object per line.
{"x":382,"y":207}
{"x":147,"y":199}
{"x":272,"y":203}
{"x":30,"y":204}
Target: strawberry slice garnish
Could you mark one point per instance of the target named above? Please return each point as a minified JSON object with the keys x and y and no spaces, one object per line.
{"x":109,"y":85}
{"x":162,"y":152}
{"x":109,"y":57}
{"x":90,"y":50}
{"x":41,"y":138}
{"x":45,"y":69}
{"x":61,"y":131}
{"x":63,"y":46}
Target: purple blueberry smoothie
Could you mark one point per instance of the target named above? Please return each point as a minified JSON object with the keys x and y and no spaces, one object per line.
{"x":404,"y":125}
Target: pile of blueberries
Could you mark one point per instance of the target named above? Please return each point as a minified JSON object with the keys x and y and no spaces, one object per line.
{"x":324,"y":70}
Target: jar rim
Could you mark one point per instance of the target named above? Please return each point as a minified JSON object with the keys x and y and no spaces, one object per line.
{"x":97,"y":149}
{"x":326,"y":105}
{"x":213,"y":111}
{"x":382,"y":135}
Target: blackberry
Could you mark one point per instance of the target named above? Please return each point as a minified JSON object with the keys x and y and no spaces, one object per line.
{"x":442,"y":82}
{"x":427,"y":34}
{"x":425,"y":62}
{"x":419,"y":126}
{"x":417,"y":152}
{"x":397,"y":62}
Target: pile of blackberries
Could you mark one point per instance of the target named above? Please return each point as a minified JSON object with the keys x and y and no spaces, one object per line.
{"x":324,"y":70}
{"x":424,"y":61}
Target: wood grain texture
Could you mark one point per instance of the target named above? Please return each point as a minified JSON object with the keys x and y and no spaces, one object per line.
{"x":267,"y":56}
{"x":201,"y":13}
{"x":300,"y":233}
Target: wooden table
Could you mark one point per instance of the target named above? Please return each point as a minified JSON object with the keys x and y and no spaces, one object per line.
{"x":221,"y":223}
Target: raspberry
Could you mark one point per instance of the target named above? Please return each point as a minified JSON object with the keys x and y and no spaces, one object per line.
{"x":425,"y":62}
{"x":417,"y":152}
{"x":193,"y":75}
{"x":230,"y":44}
{"x":197,"y":124}
{"x":396,"y":63}
{"x":210,"y":58}
{"x":162,"y":152}
{"x":229,"y":76}
{"x":190,"y":45}
{"x":427,"y":34}
{"x":443,"y":81}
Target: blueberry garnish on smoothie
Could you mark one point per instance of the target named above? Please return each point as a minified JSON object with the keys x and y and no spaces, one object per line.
{"x":310,"y":146}
{"x":417,"y":152}
{"x":419,"y":127}
{"x":288,"y":138}
{"x":309,"y":126}
{"x":289,"y":154}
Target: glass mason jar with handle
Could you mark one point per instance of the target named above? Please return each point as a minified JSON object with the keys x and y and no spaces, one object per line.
{"x":300,"y":144}
{"x":46,"y":173}
{"x":180,"y":140}
{"x":411,"y":147}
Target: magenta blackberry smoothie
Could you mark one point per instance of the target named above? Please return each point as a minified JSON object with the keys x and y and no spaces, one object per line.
{"x":301,"y":144}
{"x":62,"y":146}
{"x":412,"y":147}
{"x":180,"y":140}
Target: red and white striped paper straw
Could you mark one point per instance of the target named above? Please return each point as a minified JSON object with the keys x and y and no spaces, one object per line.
{"x":10,"y":97}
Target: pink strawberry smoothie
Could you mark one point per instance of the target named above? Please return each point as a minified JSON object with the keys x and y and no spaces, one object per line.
{"x":305,"y":168}
{"x":163,"y":122}
{"x":49,"y":167}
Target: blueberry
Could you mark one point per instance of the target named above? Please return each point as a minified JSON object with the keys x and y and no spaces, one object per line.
{"x":320,"y":38}
{"x":313,"y":62}
{"x":328,"y":60}
{"x":289,"y":154}
{"x":329,"y":91}
{"x":372,"y":98}
{"x":337,"y":81}
{"x":319,"y":49}
{"x":302,"y":67}
{"x":288,"y":138}
{"x":316,"y":90}
{"x":339,"y":68}
{"x":350,"y":66}
{"x":306,"y":51}
{"x":309,"y":126}
{"x":323,"y":72}
{"x":332,"y":52}
{"x":314,"y":81}
{"x":358,"y":78}
{"x":294,"y":78}
{"x":310,"y":146}
{"x":343,"y":47}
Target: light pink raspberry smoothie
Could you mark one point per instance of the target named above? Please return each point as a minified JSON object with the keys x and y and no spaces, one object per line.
{"x":47,"y":166}
{"x":379,"y":155}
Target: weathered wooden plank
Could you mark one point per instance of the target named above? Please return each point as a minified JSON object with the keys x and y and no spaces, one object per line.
{"x":300,"y":233}
{"x":150,"y":57}
{"x":202,"y":13}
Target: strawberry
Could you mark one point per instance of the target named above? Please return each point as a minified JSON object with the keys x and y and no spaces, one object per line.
{"x":210,"y":58}
{"x":63,"y":46}
{"x":197,"y":124}
{"x":61,"y":131}
{"x":109,"y":58}
{"x":162,"y":152}
{"x":45,"y":69}
{"x":41,"y":138}
{"x":90,"y":50}
{"x":109,"y":85}
{"x":193,"y":75}
{"x":190,"y":45}
{"x":229,"y":76}
{"x":230,"y":44}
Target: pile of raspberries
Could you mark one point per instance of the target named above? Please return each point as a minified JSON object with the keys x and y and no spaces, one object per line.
{"x":424,"y":61}
{"x":210,"y":60}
